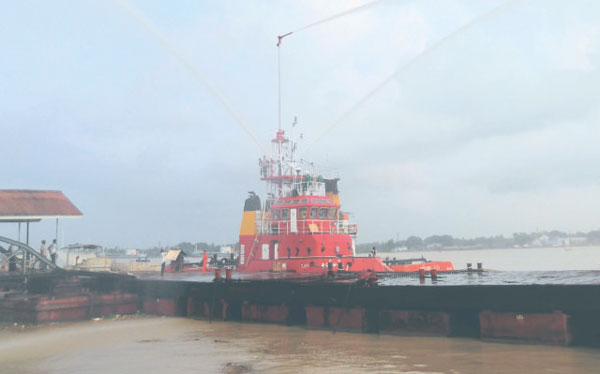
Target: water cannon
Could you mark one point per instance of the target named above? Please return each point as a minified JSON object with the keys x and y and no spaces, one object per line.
{"x":280,"y":37}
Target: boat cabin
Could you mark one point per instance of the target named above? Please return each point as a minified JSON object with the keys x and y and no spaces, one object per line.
{"x":303,"y":215}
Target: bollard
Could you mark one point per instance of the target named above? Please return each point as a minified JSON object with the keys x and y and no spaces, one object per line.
{"x":422,"y":273}
{"x":372,"y":279}
{"x":433,"y":274}
{"x":228,"y":273}
{"x":363,"y":276}
{"x":480,"y":266}
{"x":217,"y":274}
{"x":469,"y":266}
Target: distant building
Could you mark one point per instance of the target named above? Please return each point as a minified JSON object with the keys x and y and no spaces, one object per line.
{"x":132,"y":252}
{"x":578,"y":240}
{"x":541,"y":241}
{"x":227,"y":249}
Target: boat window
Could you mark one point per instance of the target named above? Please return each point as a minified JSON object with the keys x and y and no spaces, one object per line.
{"x":322,"y":212}
{"x":285,"y":213}
{"x":308,"y":251}
{"x":304,"y":201}
{"x":322,"y":249}
{"x":275,"y":214}
{"x":297,"y":251}
{"x":289,"y":252}
{"x":302,"y":212}
{"x":297,"y":201}
{"x":331,"y":214}
{"x":313,"y":212}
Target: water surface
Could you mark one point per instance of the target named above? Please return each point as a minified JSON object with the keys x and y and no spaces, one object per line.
{"x":178,"y":345}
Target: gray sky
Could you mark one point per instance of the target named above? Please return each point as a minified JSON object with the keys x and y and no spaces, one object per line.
{"x":495,"y":131}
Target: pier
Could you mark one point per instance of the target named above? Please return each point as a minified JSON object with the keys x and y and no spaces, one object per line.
{"x":544,"y":314}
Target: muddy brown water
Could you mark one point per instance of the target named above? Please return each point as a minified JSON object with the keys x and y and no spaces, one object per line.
{"x":179,"y":345}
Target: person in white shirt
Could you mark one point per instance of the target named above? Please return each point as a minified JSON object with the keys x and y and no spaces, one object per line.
{"x":163,"y":263}
{"x":52,"y":249}
{"x":44,"y":253}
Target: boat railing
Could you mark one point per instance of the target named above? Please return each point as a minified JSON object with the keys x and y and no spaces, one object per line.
{"x":308,"y":188}
{"x":308,"y":226}
{"x":23,"y":254}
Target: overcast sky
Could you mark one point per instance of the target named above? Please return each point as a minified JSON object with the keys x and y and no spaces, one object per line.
{"x":495,"y":131}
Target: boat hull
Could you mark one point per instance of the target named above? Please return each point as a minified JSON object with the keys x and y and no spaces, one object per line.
{"x":316,"y":265}
{"x":428,"y":266}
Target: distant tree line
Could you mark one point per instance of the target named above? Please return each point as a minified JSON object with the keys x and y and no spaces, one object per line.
{"x":552,"y":238}
{"x":189,"y":247}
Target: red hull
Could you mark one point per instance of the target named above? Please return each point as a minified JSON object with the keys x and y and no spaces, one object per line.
{"x":428,"y":266}
{"x":317,"y":265}
{"x":304,"y":253}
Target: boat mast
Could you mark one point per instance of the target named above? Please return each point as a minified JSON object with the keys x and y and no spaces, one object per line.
{"x":278,"y":170}
{"x":279,"y":39}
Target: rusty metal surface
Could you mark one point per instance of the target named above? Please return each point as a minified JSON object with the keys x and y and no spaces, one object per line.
{"x":24,"y":204}
{"x":555,"y":314}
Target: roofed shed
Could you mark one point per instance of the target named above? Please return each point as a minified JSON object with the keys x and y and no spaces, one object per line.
{"x":25,"y":206}
{"x":34,"y":205}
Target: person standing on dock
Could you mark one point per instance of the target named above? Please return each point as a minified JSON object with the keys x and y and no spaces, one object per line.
{"x":204,"y":262}
{"x":12,"y":261}
{"x":44,"y":253}
{"x":53,"y":251}
{"x":163,"y":263}
{"x":373,"y":252}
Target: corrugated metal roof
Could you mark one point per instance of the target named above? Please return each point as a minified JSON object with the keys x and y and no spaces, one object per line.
{"x":35,"y":205}
{"x":173,"y":254}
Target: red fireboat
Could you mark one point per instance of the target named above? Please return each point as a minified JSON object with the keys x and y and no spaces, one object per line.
{"x":301,"y":227}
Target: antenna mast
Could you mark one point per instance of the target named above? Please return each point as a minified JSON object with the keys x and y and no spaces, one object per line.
{"x":279,"y":38}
